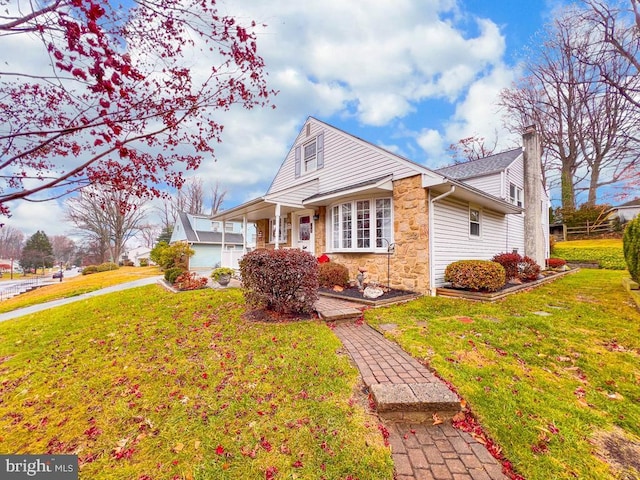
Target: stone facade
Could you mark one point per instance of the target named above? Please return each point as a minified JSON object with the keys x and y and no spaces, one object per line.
{"x":409,"y":263}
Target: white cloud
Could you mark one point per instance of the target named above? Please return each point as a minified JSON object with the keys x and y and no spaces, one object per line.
{"x":375,"y":62}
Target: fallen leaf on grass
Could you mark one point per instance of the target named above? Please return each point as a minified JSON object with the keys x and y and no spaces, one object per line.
{"x":179,"y":447}
{"x":458,"y":417}
{"x":615,"y":396}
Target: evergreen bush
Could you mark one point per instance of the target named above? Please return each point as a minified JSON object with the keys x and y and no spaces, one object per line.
{"x":631,"y":247}
{"x":285,"y":281}
{"x":171,"y":274}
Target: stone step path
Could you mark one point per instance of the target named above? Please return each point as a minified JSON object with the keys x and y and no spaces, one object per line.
{"x":332,"y":309}
{"x":407,"y":395}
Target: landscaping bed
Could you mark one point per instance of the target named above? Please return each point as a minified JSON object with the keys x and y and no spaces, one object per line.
{"x":390,"y":296}
{"x":505,"y":291}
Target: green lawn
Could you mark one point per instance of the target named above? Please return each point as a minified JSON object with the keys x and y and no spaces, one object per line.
{"x":544,"y":387}
{"x":72,"y":287}
{"x":606,"y":252}
{"x":145,"y":384}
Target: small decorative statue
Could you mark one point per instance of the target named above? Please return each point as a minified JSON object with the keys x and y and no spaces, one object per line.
{"x":360,"y":278}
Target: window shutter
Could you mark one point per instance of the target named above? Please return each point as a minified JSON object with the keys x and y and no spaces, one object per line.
{"x":298,"y":153}
{"x":320,"y":151}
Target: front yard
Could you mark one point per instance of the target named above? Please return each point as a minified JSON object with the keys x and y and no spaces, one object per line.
{"x":550,"y":373}
{"x":145,"y":384}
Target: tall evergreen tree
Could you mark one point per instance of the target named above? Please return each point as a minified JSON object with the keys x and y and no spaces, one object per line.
{"x":37,"y":252}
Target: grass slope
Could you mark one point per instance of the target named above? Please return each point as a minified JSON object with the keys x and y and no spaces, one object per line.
{"x":146,"y":384}
{"x":72,"y":287}
{"x":606,"y":252}
{"x":541,"y":385}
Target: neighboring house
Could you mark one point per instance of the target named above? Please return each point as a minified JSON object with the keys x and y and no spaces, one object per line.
{"x":340,"y":195}
{"x":138,"y":253}
{"x":213,"y":242}
{"x":625,"y":212}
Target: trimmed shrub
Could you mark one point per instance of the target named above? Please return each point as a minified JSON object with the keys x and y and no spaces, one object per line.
{"x":107,"y":266}
{"x":556,"y":262}
{"x":172,"y":274}
{"x":631,"y":248}
{"x":509,"y":262}
{"x":285,"y":281}
{"x":168,"y":256}
{"x":483,"y":275}
{"x":331,"y":274}
{"x":144,"y":262}
{"x":190,"y":281}
{"x":528,"y":269}
{"x":89,"y":269}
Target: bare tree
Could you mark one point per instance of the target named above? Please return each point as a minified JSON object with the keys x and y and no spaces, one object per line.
{"x":471,"y":148}
{"x":217,"y":198}
{"x":107,"y":217}
{"x":11,"y":242}
{"x":617,"y":24}
{"x":64,"y":249}
{"x":586,"y":130}
{"x":149,"y":234}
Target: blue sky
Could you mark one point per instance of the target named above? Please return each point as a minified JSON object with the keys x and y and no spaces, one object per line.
{"x":412,"y":76}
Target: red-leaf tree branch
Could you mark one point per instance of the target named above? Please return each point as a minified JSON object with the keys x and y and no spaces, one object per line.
{"x":123,"y":98}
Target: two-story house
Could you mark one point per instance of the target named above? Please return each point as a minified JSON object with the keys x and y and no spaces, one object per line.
{"x":366,"y":207}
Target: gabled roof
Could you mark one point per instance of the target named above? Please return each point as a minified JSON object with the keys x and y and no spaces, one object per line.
{"x":632,"y":203}
{"x":482,"y":166}
{"x":204,"y":236}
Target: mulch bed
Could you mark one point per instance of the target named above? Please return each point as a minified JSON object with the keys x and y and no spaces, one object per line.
{"x":355,"y":295}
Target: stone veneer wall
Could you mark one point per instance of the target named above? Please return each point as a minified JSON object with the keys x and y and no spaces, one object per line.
{"x":410,"y":261}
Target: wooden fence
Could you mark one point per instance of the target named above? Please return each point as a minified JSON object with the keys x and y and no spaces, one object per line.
{"x":586,"y":230}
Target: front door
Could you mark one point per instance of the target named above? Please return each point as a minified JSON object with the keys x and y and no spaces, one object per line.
{"x":304,"y":235}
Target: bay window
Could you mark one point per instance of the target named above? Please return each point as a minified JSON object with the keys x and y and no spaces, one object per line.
{"x":361,"y":225}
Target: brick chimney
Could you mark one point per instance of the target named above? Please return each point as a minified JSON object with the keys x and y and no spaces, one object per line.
{"x":534,"y":238}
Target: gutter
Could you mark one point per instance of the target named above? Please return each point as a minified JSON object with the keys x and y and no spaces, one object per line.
{"x":432,"y":201}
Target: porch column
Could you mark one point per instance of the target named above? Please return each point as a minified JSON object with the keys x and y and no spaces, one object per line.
{"x":244,"y":234}
{"x":277,"y":245}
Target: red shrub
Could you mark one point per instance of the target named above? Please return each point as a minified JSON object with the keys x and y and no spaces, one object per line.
{"x":509,"y":262}
{"x":481,"y":275}
{"x":556,"y":262}
{"x":190,"y":281}
{"x":285,"y":281}
{"x":528,"y":269}
{"x":331,"y":274}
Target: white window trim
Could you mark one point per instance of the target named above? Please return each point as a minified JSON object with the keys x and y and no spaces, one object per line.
{"x":479,"y":222}
{"x":354,"y":239}
{"x":283,"y":230}
{"x":303,"y":166}
{"x":518,"y":198}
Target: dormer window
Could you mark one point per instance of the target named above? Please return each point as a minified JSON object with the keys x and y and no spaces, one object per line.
{"x":309,"y":156}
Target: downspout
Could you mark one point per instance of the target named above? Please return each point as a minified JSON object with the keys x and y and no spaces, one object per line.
{"x":432,"y":201}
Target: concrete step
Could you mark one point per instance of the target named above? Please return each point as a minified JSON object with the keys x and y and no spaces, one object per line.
{"x":414,"y":402}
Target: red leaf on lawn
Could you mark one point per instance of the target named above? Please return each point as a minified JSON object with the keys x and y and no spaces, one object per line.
{"x":265,"y":444}
{"x":270,"y":473}
{"x":220,"y":450}
{"x":297,"y":464}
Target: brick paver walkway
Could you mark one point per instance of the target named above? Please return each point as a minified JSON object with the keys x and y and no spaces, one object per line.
{"x":420,"y":451}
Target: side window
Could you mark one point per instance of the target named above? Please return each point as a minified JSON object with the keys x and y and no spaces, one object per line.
{"x":474,"y":222}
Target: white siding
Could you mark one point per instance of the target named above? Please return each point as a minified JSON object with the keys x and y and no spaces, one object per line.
{"x":515,"y":223}
{"x":347,"y":161}
{"x":491,"y":184}
{"x":450,"y":236}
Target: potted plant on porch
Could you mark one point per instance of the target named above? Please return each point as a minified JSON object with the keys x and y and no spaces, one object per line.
{"x":222,"y":275}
